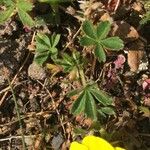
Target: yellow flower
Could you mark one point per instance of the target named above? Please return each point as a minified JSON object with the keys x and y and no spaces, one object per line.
{"x":96,"y":143}
{"x":119,"y":148}
{"x":93,"y":143}
{"x":77,"y":146}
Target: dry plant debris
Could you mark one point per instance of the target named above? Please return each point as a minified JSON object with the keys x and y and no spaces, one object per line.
{"x":112,"y":87}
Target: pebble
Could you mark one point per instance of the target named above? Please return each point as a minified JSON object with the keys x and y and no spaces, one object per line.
{"x":36,"y":72}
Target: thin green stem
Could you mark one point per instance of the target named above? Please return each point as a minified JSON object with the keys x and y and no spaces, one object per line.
{"x":18,"y":115}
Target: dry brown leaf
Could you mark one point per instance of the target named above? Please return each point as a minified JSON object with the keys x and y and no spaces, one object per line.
{"x":138,"y":6}
{"x":113,"y":5}
{"x":54,"y":68}
{"x":38,"y":142}
{"x":135,"y":54}
{"x":145,"y":111}
{"x":31,"y":47}
{"x":134,"y":60}
{"x":84,"y":121}
{"x":125,"y":31}
{"x":106,"y":17}
{"x":147,"y":103}
{"x":91,"y":8}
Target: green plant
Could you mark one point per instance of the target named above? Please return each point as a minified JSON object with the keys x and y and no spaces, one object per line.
{"x":54,"y":4}
{"x":91,"y":101}
{"x":69,"y":63}
{"x":98,"y":38}
{"x":17,"y":112}
{"x":21,"y":7}
{"x":46,"y":47}
{"x":72,"y":64}
{"x":146,"y":16}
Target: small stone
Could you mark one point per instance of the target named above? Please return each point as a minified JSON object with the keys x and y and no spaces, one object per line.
{"x":57,"y":141}
{"x":36,"y":72}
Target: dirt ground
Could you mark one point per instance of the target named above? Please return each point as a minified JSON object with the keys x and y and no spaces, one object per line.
{"x":41,"y":94}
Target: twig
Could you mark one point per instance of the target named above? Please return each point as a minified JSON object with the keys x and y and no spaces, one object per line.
{"x":18,"y":114}
{"x":8,"y":88}
{"x":144,"y":134}
{"x":17,"y":137}
{"x":117,"y":5}
{"x":28,"y":115}
{"x":71,"y":41}
{"x":58,"y":114}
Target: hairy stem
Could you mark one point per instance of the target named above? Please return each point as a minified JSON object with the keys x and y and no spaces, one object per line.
{"x":18,"y":115}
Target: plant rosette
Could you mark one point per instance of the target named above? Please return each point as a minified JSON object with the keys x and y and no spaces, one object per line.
{"x":93,"y":143}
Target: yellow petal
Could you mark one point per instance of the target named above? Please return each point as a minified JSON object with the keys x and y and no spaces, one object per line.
{"x":77,"y":146}
{"x":119,"y":148}
{"x":96,"y":143}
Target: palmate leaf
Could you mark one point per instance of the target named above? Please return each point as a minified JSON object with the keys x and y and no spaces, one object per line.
{"x":98,"y":38}
{"x":66,"y":62}
{"x":25,"y":18}
{"x":101,"y":97}
{"x":55,"y":39}
{"x":89,"y":29}
{"x":104,"y":111}
{"x":41,"y":47}
{"x":7,"y":3}
{"x":40,"y":58}
{"x":23,"y":7}
{"x":99,"y":53}
{"x":108,"y":110}
{"x":90,"y":107}
{"x":102,"y":114}
{"x":79,"y":105}
{"x":103,"y":29}
{"x":66,"y":67}
{"x":5,"y":15}
{"x":44,"y":46}
{"x":70,"y":63}
{"x":86,"y":104}
{"x":42,"y":43}
{"x":68,"y":59}
{"x":74,"y":92}
{"x":53,"y":51}
{"x":113,"y":43}
{"x":43,"y":39}
{"x":87,"y":41}
{"x":53,"y":2}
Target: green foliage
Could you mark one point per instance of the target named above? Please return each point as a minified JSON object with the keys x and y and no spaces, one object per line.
{"x":46,"y":47}
{"x":22,"y":7}
{"x":146,"y":16}
{"x":53,"y":2}
{"x":5,"y":15}
{"x":87,"y":102}
{"x":70,"y":63}
{"x":98,"y":38}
